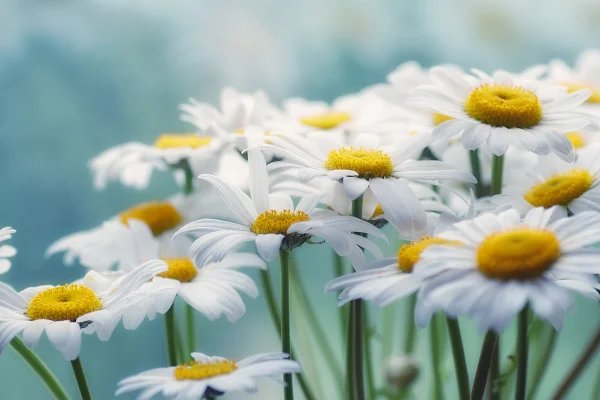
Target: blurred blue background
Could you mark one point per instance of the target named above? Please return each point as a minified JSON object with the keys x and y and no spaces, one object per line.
{"x":78,"y":77}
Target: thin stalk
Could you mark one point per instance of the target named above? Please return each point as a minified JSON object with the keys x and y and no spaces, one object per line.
{"x":350,"y":353}
{"x":522,"y":354}
{"x":179,"y":347}
{"x":542,"y":362}
{"x":387,"y":331}
{"x":190,"y":328}
{"x":81,"y":381}
{"x":355,"y":333}
{"x":338,"y":270}
{"x":483,"y":367}
{"x":462,"y":375}
{"x":40,"y":368}
{"x":410,"y":336}
{"x":276,"y":318}
{"x":436,"y":357}
{"x":323,"y":344}
{"x":493,"y":393}
{"x":369,"y":357}
{"x":596,"y":388}
{"x":476,"y":171}
{"x":188,"y":185}
{"x":497,"y":173}
{"x":586,"y":356}
{"x":286,"y":343}
{"x":170,"y":334}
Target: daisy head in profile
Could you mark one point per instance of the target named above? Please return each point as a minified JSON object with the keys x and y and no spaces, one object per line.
{"x":505,"y":263}
{"x":501,"y":110}
{"x":209,"y":376}
{"x":272,"y":222}
{"x":6,"y":251}
{"x":389,"y":279}
{"x":584,"y":75}
{"x":212,"y":289}
{"x":133,"y":163}
{"x":571,"y":187}
{"x":101,"y":248}
{"x":91,"y":306}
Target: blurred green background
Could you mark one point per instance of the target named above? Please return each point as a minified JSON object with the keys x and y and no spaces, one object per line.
{"x":79,"y":76}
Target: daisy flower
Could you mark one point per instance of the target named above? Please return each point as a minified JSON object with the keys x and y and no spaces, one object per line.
{"x":6,"y":251}
{"x":505,"y":262}
{"x":583,"y":76}
{"x":99,"y":248}
{"x":272,"y":222}
{"x":65,"y":311}
{"x":572,"y":187}
{"x":389,"y":279}
{"x":364,"y":165}
{"x":503,"y":110}
{"x":208,"y":376}
{"x":239,"y":116}
{"x":211,"y":288}
{"x":133,"y":163}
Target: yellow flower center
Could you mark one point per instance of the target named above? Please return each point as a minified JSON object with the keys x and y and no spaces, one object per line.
{"x":181,"y":269}
{"x":577,"y":140}
{"x":501,"y":105}
{"x":63,"y":303}
{"x":573,"y":87}
{"x":377,"y":211}
{"x":368,"y":163}
{"x":178,"y":140}
{"x":410,"y":253}
{"x":326,"y":120}
{"x":202,"y":370}
{"x":440,"y":118}
{"x":517,"y":254}
{"x":276,"y":221}
{"x":560,"y":189}
{"x":160,"y":216}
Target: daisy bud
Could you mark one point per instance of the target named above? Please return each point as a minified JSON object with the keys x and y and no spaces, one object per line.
{"x":401,"y":371}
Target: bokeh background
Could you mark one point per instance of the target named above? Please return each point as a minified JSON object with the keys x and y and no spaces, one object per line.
{"x":79,"y":76}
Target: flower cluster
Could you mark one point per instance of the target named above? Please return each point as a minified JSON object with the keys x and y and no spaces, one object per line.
{"x":486,"y":184}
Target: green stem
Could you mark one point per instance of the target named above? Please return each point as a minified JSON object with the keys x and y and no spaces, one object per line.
{"x":409,"y":339}
{"x":350,"y":352}
{"x":188,"y":185}
{"x":483,"y":367}
{"x":542,"y":362}
{"x":522,"y":354}
{"x":596,"y":388}
{"x":355,"y":332}
{"x":286,"y":343}
{"x":436,"y":357}
{"x":476,"y":170}
{"x":81,"y":381}
{"x":275,"y":317}
{"x":369,"y":356}
{"x":497,"y":173}
{"x":586,"y":356}
{"x":493,"y":393}
{"x":462,"y":375}
{"x":387,"y":331}
{"x":325,"y":347}
{"x":40,"y":368}
{"x":170,"y":334}
{"x":338,"y":270}
{"x":190,"y":328}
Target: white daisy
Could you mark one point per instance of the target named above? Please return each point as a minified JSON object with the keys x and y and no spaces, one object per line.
{"x":572,"y":187}
{"x":584,"y":75}
{"x":272,"y":222}
{"x":133,"y":163}
{"x":364,"y":166}
{"x":6,"y":251}
{"x":211,"y":288}
{"x":100,"y":248}
{"x":240,"y":115}
{"x":389,"y":279}
{"x":503,"y":110}
{"x":96,"y":306}
{"x":208,"y":376}
{"x":504,"y":262}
